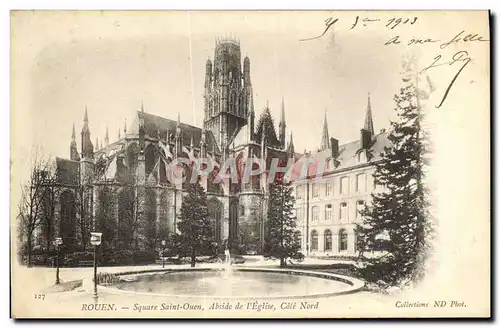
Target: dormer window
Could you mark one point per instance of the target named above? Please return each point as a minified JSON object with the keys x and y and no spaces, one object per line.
{"x":329,"y":164}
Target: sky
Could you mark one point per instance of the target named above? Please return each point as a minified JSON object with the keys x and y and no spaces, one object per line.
{"x":112,"y":62}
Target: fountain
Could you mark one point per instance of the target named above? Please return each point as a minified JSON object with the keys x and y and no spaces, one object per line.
{"x":224,"y":281}
{"x":228,"y":271}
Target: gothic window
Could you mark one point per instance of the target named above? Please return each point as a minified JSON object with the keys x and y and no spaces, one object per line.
{"x":67,"y":226}
{"x":314,"y":240}
{"x":342,"y":240}
{"x":150,"y":154}
{"x":132,"y":154}
{"x":215,"y":214}
{"x":328,"y":240}
{"x":315,"y":213}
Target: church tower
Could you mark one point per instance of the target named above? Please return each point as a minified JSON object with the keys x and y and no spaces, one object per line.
{"x":227,"y":91}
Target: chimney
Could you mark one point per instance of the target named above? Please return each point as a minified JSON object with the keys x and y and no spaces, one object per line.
{"x":382,"y":130}
{"x":366,"y":139}
{"x":334,"y":145}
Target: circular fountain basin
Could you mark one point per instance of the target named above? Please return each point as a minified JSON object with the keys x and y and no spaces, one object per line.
{"x":239,"y":283}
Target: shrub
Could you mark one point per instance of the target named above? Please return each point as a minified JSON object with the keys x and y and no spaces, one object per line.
{"x":104,"y":278}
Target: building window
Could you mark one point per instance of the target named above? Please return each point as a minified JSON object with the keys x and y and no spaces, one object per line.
{"x":299,"y":237}
{"x":298,"y":214}
{"x":298,"y":192}
{"x":370,"y":183}
{"x":328,"y":240}
{"x":329,"y":164}
{"x":315,"y":190}
{"x":328,"y":212}
{"x":314,"y":240}
{"x":344,"y":186}
{"x":342,"y":240}
{"x":360,"y":182}
{"x":329,"y":188}
{"x":315,"y":213}
{"x":343,"y":211}
{"x":242,"y":210}
{"x":360,"y":205}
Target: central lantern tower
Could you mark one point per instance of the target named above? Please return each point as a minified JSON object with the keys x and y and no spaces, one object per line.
{"x":228,"y":91}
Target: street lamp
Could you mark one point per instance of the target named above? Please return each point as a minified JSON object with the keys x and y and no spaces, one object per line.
{"x":58,"y":241}
{"x":163,"y":243}
{"x":95,"y":239}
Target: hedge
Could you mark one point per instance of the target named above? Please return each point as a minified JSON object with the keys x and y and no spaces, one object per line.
{"x":105,"y":257}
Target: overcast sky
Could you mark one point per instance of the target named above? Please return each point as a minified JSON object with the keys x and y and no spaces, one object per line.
{"x":111,"y":62}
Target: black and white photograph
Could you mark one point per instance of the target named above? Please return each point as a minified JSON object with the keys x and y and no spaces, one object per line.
{"x":250,"y":164}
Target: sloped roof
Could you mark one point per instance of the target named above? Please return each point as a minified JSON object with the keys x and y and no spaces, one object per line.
{"x":348,"y":154}
{"x":154,"y":124}
{"x":67,"y":171}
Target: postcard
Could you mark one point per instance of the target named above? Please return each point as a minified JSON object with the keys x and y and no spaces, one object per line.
{"x":250,"y":164}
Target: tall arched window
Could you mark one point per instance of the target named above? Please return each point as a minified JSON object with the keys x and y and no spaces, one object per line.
{"x":314,"y":240}
{"x":328,"y":240}
{"x":67,"y":224}
{"x":150,"y":154}
{"x":342,"y":240}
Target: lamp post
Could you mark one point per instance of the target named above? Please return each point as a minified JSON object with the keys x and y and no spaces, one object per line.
{"x":58,"y":241}
{"x":163,"y":243}
{"x":95,"y":239}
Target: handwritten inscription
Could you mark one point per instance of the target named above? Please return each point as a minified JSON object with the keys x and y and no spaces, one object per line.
{"x":461,"y":38}
{"x":391,"y":23}
{"x":461,"y":57}
{"x":328,"y":22}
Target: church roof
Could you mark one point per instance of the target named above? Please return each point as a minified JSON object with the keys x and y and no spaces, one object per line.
{"x":66,"y":171}
{"x":154,"y":124}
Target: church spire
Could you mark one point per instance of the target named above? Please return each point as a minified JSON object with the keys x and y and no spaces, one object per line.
{"x":73,"y":138}
{"x":72,"y":147}
{"x":325,"y":138}
{"x":291,"y":149}
{"x":87,"y":147}
{"x":86,"y":116}
{"x":282,"y":125}
{"x":142,"y":106}
{"x":106,"y":137}
{"x":125,"y":127}
{"x":368,"y":117}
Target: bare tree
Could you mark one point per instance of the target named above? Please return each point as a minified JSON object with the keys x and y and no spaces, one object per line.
{"x":33,"y":200}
